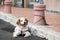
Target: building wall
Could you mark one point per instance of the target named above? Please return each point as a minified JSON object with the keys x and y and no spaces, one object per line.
{"x":53,"y":11}
{"x":52,"y":5}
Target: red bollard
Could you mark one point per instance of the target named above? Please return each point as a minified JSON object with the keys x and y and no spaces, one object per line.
{"x":39,"y":14}
{"x":7,"y":6}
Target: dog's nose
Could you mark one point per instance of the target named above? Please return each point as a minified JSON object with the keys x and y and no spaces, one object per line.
{"x":24,"y":22}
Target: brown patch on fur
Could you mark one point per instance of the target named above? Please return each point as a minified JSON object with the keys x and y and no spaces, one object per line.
{"x":18,"y":22}
{"x":26,"y":21}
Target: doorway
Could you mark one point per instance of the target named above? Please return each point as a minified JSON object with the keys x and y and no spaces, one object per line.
{"x":19,"y":3}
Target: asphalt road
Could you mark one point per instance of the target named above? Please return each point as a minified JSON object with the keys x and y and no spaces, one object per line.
{"x":6,"y":30}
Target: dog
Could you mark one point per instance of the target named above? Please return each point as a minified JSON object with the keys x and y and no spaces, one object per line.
{"x":22,"y":27}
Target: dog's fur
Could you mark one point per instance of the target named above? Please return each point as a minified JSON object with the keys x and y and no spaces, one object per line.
{"x":22,"y":27}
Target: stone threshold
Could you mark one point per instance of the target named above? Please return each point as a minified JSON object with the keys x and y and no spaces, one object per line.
{"x":52,"y":11}
{"x":37,"y":30}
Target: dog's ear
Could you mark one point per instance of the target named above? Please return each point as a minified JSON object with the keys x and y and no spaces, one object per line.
{"x":26,"y":20}
{"x":18,"y":22}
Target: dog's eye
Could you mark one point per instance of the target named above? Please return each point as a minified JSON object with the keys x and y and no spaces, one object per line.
{"x":20,"y":20}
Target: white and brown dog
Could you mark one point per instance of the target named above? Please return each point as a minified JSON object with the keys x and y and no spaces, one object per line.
{"x":22,"y":27}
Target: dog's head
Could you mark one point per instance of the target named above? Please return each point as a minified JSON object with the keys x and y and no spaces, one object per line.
{"x":22,"y":21}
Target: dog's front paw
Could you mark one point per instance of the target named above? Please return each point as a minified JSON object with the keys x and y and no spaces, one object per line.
{"x":14,"y":35}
